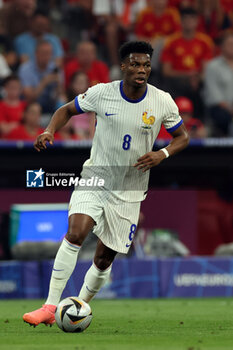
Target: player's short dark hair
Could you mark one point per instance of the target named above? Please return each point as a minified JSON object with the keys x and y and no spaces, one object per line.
{"x":188,"y":11}
{"x":135,"y":47}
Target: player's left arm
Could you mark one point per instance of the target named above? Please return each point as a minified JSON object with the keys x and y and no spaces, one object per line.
{"x":179,"y":141}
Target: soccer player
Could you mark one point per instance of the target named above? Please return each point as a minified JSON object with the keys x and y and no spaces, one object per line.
{"x":129,"y":116}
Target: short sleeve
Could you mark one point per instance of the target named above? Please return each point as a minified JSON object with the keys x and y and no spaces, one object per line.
{"x":88,"y":102}
{"x":172,"y":120}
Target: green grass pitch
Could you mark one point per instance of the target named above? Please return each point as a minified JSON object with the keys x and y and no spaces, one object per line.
{"x":174,"y":324}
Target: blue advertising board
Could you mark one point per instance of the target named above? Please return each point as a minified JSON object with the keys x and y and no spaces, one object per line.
{"x":196,"y":277}
{"x":130,"y":278}
{"x":20,"y":280}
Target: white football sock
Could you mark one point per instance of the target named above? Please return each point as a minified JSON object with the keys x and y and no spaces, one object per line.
{"x":93,"y":281}
{"x":63,"y":267}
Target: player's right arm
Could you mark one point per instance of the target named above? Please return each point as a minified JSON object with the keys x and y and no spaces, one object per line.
{"x":59,"y":119}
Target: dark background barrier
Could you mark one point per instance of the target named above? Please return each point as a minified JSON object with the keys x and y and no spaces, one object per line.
{"x":190,"y":193}
{"x":204,"y":164}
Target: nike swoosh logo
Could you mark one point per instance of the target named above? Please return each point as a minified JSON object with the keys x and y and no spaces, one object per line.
{"x":108,"y":114}
{"x":57,"y":270}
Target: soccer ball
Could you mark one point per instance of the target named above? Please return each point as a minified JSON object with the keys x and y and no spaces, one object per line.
{"x":73,"y":315}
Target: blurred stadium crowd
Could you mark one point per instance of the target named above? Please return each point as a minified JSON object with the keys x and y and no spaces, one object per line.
{"x":52,"y":50}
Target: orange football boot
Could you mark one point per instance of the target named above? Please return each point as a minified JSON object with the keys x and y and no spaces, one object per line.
{"x":46,"y":315}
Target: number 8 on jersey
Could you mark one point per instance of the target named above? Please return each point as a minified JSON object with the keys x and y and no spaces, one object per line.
{"x":126,"y":142}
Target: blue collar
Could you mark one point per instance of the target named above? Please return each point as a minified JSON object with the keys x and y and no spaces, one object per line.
{"x":129,"y":99}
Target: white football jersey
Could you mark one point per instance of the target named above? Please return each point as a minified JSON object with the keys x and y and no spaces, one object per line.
{"x":126,"y":130}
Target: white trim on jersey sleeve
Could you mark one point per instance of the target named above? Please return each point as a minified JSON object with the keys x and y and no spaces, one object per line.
{"x":172,"y":120}
{"x":87,"y":102}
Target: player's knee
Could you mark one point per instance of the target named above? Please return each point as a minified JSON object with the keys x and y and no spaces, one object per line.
{"x":75,"y":238}
{"x":76,"y":234}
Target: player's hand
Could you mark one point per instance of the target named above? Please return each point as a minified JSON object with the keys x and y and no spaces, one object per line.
{"x":41,"y":140}
{"x":149,"y":160}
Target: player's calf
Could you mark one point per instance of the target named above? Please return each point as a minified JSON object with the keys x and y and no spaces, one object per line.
{"x":104,"y":256}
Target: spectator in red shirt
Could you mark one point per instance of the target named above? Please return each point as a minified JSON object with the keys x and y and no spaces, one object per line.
{"x":11,"y":107}
{"x":157,"y":20}
{"x":187,"y":52}
{"x":30,"y":128}
{"x":195,"y":127}
{"x":86,"y":61}
{"x":184,"y":58}
{"x":154,"y":24}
